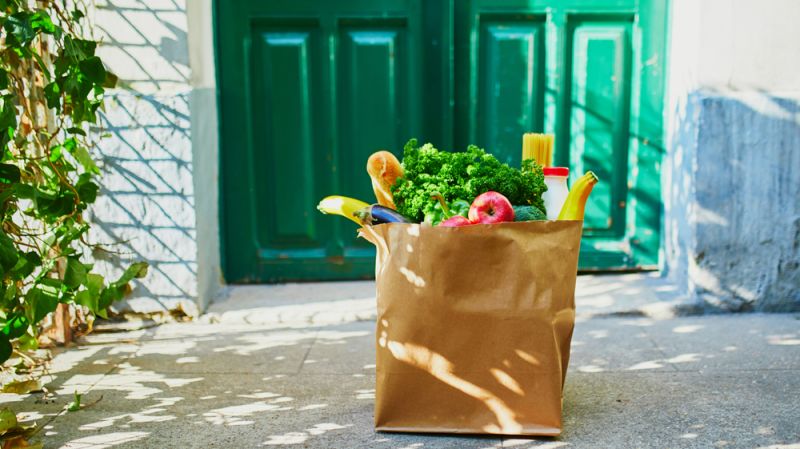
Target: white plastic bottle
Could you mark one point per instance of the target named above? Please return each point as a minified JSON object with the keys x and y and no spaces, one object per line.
{"x":556,"y":180}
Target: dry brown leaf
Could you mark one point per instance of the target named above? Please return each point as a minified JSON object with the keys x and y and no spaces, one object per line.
{"x":23,"y":386}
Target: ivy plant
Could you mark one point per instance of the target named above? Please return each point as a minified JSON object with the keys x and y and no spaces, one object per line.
{"x":51,"y":87}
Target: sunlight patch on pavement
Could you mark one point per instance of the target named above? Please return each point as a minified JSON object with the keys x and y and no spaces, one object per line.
{"x":302,"y":437}
{"x":249,"y":344}
{"x":130,"y":379}
{"x":105,"y":440}
{"x":650,"y":364}
{"x":784,"y":340}
{"x":67,"y":360}
{"x":687,"y":329}
{"x":590,"y":369}
{"x":149,"y":415}
{"x":523,"y":442}
{"x":684,"y":358}
{"x":232,"y":416}
{"x":311,"y":407}
{"x":166,"y":347}
{"x":260,"y":395}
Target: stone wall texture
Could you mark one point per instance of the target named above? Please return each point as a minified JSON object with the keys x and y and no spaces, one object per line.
{"x":733,"y":231}
{"x":146,"y":209}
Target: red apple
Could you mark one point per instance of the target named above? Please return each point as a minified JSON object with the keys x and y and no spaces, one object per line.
{"x":455,"y":221}
{"x":491,"y":207}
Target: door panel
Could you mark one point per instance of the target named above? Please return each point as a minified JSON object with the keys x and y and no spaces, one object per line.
{"x":599,"y":111}
{"x":285,"y":78}
{"x":579,"y":70}
{"x":511,"y":93}
{"x":373,"y":100}
{"x":308,"y":90}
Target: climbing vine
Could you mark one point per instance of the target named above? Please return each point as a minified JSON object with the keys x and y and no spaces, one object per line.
{"x":51,"y":87}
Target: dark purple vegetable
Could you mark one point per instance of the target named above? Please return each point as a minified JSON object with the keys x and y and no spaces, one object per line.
{"x":377,"y":214}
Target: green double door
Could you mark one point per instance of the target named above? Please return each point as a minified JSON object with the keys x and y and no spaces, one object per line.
{"x":310,"y":88}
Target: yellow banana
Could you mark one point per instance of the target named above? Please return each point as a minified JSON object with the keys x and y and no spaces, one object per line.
{"x":341,"y":205}
{"x":575,"y":203}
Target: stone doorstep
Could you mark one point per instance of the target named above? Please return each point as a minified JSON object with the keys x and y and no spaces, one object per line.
{"x":597,"y":295}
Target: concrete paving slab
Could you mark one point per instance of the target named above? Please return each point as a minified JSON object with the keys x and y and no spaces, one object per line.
{"x":628,"y":410}
{"x":613,"y":344}
{"x":351,"y":355}
{"x":735,"y":342}
{"x":276,"y":352}
{"x":634,"y":382}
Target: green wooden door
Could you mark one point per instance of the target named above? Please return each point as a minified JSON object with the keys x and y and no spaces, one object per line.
{"x":592,"y":73}
{"x":309,"y":88}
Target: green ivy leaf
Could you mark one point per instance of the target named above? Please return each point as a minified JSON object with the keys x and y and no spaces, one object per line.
{"x":40,"y":21}
{"x":8,"y":120}
{"x":90,"y":297}
{"x":85,"y":159}
{"x":76,"y":130}
{"x":10,"y":293}
{"x":8,"y":252}
{"x":111,"y":80}
{"x":56,"y":153}
{"x":3,"y":79}
{"x":42,"y":66}
{"x":26,"y":265}
{"x":87,"y":189}
{"x":5,"y":348}
{"x":93,"y":69}
{"x":41,"y":299}
{"x":9,"y":174}
{"x":52,"y":92}
{"x":15,"y":327}
{"x":117,"y":289}
{"x":75,"y":273}
{"x":19,"y":29}
{"x":136,"y":270}
{"x":77,"y":14}
{"x":75,"y":405}
{"x":25,"y":191}
{"x":79,"y":49}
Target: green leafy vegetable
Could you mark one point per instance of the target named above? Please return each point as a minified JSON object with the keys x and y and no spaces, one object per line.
{"x":461,"y":175}
{"x":528,"y":213}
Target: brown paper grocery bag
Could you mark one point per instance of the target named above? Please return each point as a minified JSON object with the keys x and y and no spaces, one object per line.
{"x":474,"y":326}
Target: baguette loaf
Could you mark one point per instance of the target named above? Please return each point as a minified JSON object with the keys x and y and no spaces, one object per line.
{"x":384,"y":169}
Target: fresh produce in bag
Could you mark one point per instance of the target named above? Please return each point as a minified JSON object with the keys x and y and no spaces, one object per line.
{"x":460,"y":176}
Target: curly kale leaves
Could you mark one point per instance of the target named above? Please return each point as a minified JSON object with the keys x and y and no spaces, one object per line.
{"x":461,"y":175}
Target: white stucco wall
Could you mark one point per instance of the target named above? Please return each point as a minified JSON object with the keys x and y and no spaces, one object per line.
{"x":732,"y":218}
{"x":158,"y":198}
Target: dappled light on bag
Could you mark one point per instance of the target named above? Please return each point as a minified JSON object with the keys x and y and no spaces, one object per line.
{"x":443,"y":370}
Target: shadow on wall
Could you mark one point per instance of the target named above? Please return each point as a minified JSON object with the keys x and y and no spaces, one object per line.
{"x":146,"y":210}
{"x":733,"y":229}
